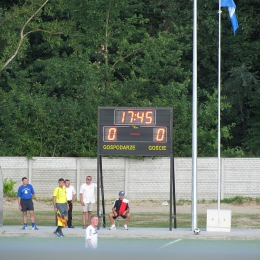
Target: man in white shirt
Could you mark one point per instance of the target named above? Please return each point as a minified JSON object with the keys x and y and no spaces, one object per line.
{"x":87,"y":199}
{"x":71,"y":195}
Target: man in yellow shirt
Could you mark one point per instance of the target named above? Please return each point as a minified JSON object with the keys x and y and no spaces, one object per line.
{"x":61,"y":207}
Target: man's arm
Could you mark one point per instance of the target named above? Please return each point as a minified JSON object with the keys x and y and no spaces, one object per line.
{"x":73,"y":194}
{"x":19,"y":202}
{"x":126,"y":210}
{"x":89,"y":243}
{"x":81,"y":199}
{"x":73,"y":197}
{"x":114,"y":209}
{"x":54,"y":203}
{"x":32,"y":192}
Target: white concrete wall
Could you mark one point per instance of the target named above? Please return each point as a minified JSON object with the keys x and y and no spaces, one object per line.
{"x":146,"y":179}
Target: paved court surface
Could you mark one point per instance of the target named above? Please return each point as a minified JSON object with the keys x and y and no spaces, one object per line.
{"x":47,"y":231}
{"x":132,"y":244}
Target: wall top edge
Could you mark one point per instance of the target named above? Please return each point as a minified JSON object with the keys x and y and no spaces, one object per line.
{"x":226,"y":158}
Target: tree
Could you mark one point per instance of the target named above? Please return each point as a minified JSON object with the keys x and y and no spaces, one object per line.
{"x":242,"y":91}
{"x":62,"y":59}
{"x":30,"y":13}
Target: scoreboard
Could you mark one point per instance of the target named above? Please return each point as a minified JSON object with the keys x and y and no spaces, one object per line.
{"x":135,"y":131}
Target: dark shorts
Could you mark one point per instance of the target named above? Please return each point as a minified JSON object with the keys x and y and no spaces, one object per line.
{"x":27,"y":205}
{"x":62,"y":207}
{"x":115,"y":217}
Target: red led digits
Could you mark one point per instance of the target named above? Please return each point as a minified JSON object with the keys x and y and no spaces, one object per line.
{"x":110,"y":133}
{"x":135,"y":117}
{"x":149,"y":117}
{"x":160,"y":134}
{"x":140,"y":116}
{"x":132,"y":116}
{"x":123,"y":117}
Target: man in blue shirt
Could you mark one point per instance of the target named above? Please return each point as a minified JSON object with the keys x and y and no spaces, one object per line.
{"x":25,"y":195}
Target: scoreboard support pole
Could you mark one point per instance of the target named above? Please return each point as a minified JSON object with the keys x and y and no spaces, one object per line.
{"x":172,"y":194}
{"x":100,"y":184}
{"x":102,"y":194}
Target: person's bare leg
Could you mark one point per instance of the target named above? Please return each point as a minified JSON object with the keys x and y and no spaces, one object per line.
{"x":111,"y":218}
{"x":89,"y":216}
{"x":84,"y":216}
{"x":25,"y":217}
{"x":127,"y":218}
{"x":32,"y":216}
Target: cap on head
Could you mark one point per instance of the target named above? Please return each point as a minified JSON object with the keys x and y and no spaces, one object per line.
{"x":121,"y":193}
{"x":24,"y":178}
{"x":61,"y":179}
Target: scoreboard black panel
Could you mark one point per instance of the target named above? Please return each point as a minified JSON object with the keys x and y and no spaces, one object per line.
{"x":135,"y":131}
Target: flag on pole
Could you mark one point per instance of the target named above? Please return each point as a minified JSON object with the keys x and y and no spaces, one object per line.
{"x":231,"y":9}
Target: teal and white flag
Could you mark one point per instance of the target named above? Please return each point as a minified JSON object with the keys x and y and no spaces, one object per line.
{"x":231,"y":9}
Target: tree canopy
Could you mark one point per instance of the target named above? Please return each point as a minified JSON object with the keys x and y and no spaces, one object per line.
{"x":60,"y":60}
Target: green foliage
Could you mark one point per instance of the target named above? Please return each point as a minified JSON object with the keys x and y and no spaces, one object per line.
{"x":233,"y":152}
{"x":237,"y":200}
{"x":182,"y":202}
{"x":9,"y":188}
{"x":242,"y":92}
{"x":60,"y":62}
{"x":257,"y":200}
{"x":202,"y":201}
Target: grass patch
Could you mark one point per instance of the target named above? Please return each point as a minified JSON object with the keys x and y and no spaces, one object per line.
{"x":237,"y":200}
{"x":45,"y":216}
{"x":182,"y":202}
{"x":203,"y":201}
{"x":144,"y":220}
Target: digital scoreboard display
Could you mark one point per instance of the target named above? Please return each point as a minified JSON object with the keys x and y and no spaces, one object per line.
{"x":135,"y":131}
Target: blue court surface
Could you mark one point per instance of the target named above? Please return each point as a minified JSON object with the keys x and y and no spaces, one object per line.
{"x":72,"y":248}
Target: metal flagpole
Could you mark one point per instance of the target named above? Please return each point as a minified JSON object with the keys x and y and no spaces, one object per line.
{"x":194,"y":122}
{"x":1,"y":199}
{"x":219,"y":90}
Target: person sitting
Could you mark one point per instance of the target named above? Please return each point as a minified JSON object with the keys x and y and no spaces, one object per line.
{"x":120,"y":209}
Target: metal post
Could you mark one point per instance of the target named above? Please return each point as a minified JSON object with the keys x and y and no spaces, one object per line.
{"x":171,"y":193}
{"x":1,"y":199}
{"x":102,"y":193}
{"x":194,"y":122}
{"x":98,"y":181}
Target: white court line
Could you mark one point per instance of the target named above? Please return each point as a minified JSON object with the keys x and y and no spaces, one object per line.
{"x":175,"y":241}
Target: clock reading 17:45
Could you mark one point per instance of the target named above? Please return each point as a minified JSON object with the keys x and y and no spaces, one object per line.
{"x":135,"y":117}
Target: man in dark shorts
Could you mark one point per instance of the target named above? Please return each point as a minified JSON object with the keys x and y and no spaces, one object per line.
{"x":61,"y":207}
{"x":120,"y":209}
{"x":25,"y":195}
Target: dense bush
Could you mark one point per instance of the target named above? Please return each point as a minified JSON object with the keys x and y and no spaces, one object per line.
{"x":9,"y":188}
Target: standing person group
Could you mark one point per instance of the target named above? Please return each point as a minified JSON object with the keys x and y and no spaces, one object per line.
{"x":25,"y":195}
{"x":71,"y":195}
{"x":87,"y":199}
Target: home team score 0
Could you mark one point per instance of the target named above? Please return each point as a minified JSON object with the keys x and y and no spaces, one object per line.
{"x":135,"y":131}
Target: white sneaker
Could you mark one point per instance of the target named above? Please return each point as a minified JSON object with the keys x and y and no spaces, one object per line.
{"x":35,"y":228}
{"x":24,"y":227}
{"x":112,"y":228}
{"x":125,"y":227}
